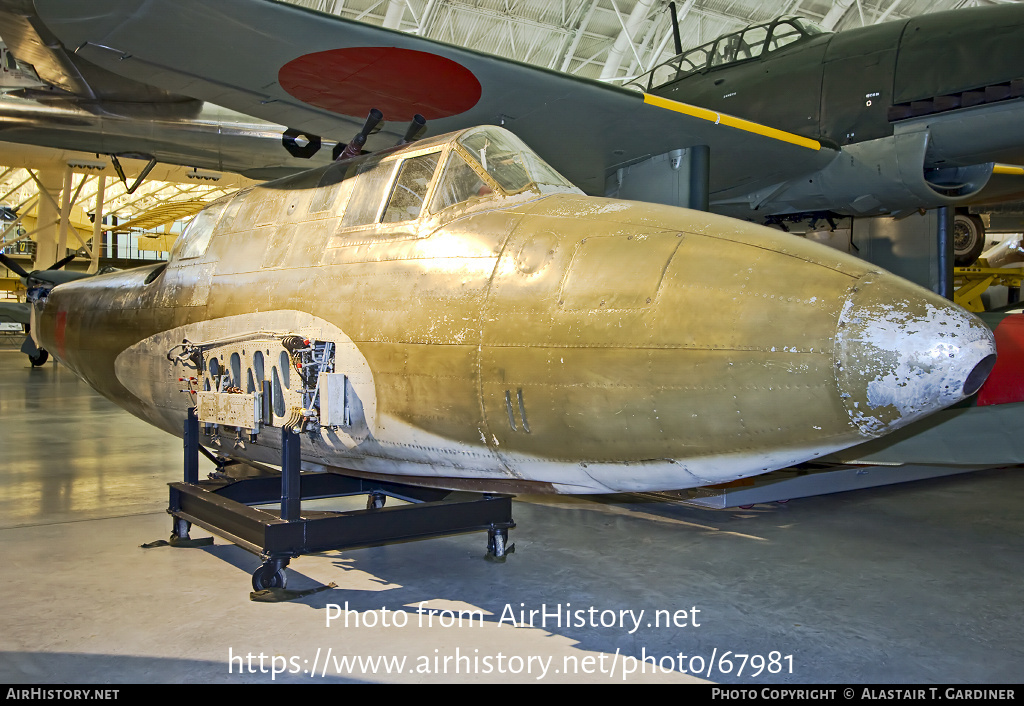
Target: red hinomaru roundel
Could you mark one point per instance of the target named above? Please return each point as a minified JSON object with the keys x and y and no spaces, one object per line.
{"x":398,"y":82}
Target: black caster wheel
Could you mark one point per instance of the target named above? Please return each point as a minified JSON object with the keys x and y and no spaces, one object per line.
{"x":180,"y":529}
{"x":375,"y":501}
{"x":498,"y":547}
{"x":39,"y":358}
{"x":269,"y":575}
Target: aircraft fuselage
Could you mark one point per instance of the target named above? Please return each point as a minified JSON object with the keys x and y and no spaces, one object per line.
{"x":482,"y":337}
{"x":919,"y":110}
{"x":849,"y":87}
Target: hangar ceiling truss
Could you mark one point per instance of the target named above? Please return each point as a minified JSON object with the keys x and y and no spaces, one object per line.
{"x":141,"y":209}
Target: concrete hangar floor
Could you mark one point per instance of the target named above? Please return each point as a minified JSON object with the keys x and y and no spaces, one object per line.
{"x":913,"y":583}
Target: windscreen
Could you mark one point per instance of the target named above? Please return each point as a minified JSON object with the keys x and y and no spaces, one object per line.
{"x":512,"y":164}
{"x":459,"y":183}
{"x":194,"y":240}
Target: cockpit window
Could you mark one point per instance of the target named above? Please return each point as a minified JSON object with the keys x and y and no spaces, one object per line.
{"x":500,"y":158}
{"x":695,"y":59}
{"x":748,"y":43}
{"x":662,"y":74}
{"x":725,"y":50}
{"x":414,"y":177}
{"x":364,"y":205}
{"x":388,"y":189}
{"x":194,"y":240}
{"x":808,"y":27}
{"x":234,"y":205}
{"x":784,"y":34}
{"x":752,"y":43}
{"x":545,"y":175}
{"x":459,"y":183}
{"x":508,"y":161}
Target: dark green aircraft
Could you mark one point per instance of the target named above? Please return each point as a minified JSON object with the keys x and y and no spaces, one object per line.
{"x":881,"y":120}
{"x":855,"y":86}
{"x":936,"y":96}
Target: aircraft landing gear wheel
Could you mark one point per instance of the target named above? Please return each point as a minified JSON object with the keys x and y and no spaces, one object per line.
{"x":270,"y":575}
{"x":968,"y":239}
{"x":39,"y":358}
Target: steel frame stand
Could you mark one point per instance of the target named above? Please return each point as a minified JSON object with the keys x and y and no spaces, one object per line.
{"x":225,"y":508}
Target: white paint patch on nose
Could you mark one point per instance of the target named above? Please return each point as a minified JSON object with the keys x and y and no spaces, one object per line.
{"x":903,"y":353}
{"x":934,"y":356}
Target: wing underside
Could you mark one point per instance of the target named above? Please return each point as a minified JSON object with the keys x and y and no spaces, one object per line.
{"x":320,"y":73}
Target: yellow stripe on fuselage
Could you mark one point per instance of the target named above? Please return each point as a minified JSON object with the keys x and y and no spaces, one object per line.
{"x":724,"y":119}
{"x":1008,"y":169}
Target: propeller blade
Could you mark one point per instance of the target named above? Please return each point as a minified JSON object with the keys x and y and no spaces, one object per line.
{"x":13,"y":266}
{"x":60,"y":263}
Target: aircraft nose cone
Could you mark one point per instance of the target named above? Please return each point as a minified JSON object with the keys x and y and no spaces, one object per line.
{"x":903,"y":353}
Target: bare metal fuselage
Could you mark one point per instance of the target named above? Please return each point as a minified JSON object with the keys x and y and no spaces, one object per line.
{"x":554,"y":342}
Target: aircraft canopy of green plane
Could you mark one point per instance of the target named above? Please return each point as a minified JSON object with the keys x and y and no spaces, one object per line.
{"x":743,"y":45}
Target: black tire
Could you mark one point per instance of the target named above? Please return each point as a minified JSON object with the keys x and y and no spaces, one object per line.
{"x":180,"y":528}
{"x":39,"y":358}
{"x":499,"y":545}
{"x":968,"y":239}
{"x":267,"y":577}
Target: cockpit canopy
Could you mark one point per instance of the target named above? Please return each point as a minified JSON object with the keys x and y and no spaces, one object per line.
{"x":744,"y":45}
{"x":395,"y":186}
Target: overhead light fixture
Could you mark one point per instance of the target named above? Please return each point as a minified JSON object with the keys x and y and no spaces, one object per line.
{"x":86,"y":164}
{"x":203,"y":175}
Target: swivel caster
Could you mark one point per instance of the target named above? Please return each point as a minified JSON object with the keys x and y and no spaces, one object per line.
{"x":498,"y":547}
{"x":271,"y":574}
{"x":375,"y":501}
{"x":179,"y":528}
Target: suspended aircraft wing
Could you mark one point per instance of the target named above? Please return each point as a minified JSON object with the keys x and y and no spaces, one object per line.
{"x":15,"y":312}
{"x":322,"y":74}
